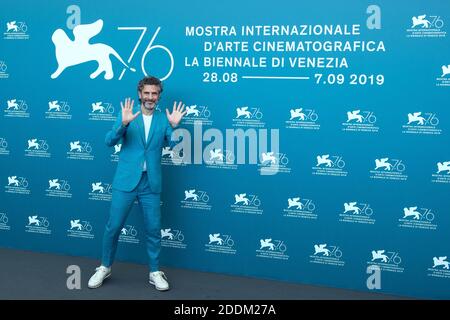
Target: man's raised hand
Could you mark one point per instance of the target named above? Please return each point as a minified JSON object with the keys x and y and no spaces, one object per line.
{"x":127,"y":111}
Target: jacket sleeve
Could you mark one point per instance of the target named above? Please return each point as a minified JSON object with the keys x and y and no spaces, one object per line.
{"x":116,"y":133}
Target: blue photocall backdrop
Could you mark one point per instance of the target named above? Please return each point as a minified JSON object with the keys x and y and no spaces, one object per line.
{"x":340,"y":170}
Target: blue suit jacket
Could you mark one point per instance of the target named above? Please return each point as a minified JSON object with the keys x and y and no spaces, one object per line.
{"x":135,"y":150}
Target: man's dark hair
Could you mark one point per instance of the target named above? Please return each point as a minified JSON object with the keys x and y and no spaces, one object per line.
{"x":150,"y":81}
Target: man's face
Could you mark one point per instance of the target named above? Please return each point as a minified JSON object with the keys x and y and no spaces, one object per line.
{"x":149,"y":96}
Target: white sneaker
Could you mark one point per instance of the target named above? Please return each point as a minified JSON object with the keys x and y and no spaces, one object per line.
{"x":159,"y":280}
{"x":97,"y":279}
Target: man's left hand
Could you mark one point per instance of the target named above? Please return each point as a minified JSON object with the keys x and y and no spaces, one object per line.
{"x":176,"y":115}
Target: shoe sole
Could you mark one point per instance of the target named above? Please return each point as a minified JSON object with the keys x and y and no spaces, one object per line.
{"x":95,"y":287}
{"x":159,"y":289}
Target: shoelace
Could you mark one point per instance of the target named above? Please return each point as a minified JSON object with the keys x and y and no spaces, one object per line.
{"x":103,"y":269}
{"x":160,"y":273}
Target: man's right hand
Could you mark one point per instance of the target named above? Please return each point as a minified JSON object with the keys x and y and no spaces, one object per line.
{"x":127,"y":111}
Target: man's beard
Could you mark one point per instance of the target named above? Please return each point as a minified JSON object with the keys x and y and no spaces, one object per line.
{"x":149,"y":105}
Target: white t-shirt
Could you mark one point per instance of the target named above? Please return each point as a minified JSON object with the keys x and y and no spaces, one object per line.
{"x":147,"y":125}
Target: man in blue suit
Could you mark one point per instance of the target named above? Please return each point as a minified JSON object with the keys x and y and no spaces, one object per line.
{"x":143,"y":132}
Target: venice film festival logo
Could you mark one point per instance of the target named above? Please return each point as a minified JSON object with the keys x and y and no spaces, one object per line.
{"x":301,"y":118}
{"x":440,"y":268}
{"x":248,"y":117}
{"x":422,"y":123}
{"x":58,"y":188}
{"x":129,"y":234}
{"x":442,"y":174}
{"x":272,"y":249}
{"x":220,"y":243}
{"x":58,"y":110}
{"x":330,"y":166}
{"x":417,"y":218}
{"x":195,"y":199}
{"x":172,"y":238}
{"x":17,"y":185}
{"x":426,"y":26}
{"x":444,"y":80}
{"x":16,"y":108}
{"x":103,"y":111}
{"x":115,"y":153}
{"x":197,"y":113}
{"x":220,"y":159}
{"x":4,"y":147}
{"x":4,"y":222}
{"x":70,"y":53}
{"x":298,"y":207}
{"x":357,"y":212}
{"x":275,"y":162}
{"x":360,"y":121}
{"x":80,"y":229}
{"x":100,"y":191}
{"x":16,"y":30}
{"x":387,"y":261}
{"x":80,"y":150}
{"x":3,"y":69}
{"x":37,"y":148}
{"x":327,"y":254}
{"x":390,"y":169}
{"x":38,"y":224}
{"x":171,"y":157}
{"x":246,"y":203}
